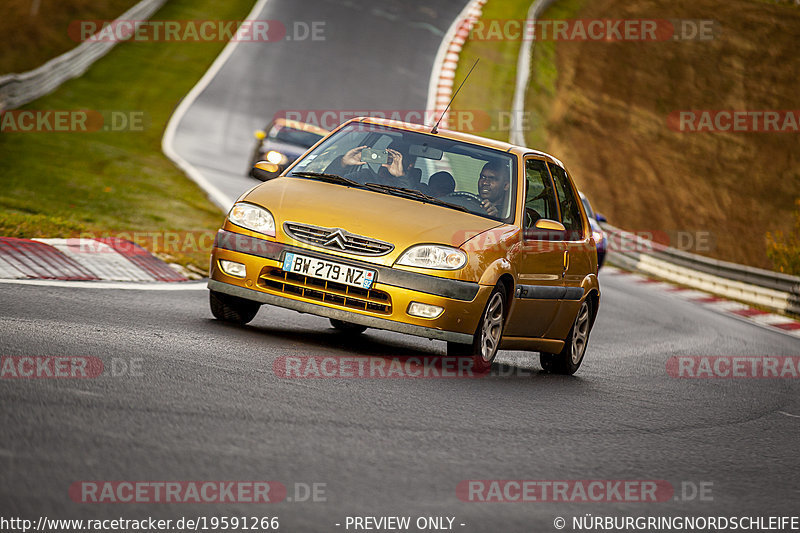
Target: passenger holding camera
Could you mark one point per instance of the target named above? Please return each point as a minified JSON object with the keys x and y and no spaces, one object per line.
{"x":395,"y":171}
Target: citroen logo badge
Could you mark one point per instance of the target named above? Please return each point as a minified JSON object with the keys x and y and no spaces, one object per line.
{"x":338,"y":238}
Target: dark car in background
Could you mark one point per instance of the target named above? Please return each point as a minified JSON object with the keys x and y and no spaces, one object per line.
{"x":599,"y":234}
{"x":281,"y":143}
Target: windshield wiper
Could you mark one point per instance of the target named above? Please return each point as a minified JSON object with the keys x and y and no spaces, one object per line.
{"x":413,"y":194}
{"x":330,"y":178}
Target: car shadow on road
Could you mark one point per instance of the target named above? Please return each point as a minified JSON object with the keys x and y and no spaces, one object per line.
{"x":305,"y":352}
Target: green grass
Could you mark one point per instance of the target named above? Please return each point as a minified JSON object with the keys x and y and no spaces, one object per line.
{"x":62,"y":184}
{"x":491,"y":86}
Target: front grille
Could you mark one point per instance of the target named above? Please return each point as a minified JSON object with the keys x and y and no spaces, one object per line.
{"x":336,"y":239}
{"x":321,"y":290}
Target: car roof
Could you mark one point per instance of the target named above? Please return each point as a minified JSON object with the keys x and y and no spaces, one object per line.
{"x":296,"y":124}
{"x":456,"y":136}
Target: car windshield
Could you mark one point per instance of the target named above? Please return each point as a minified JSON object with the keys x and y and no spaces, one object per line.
{"x":467,"y":176}
{"x":294,"y":136}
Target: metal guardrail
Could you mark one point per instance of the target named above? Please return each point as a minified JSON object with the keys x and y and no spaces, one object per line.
{"x":19,"y":89}
{"x":755,"y":286}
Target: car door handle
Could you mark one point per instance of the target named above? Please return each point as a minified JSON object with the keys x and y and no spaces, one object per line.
{"x":566,"y":263}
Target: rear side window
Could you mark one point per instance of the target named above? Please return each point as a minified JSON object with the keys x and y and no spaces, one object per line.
{"x":570,"y":212}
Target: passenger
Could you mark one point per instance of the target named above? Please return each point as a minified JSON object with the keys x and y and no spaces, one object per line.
{"x":396,"y":172}
{"x":441,"y":184}
{"x":493,"y":188}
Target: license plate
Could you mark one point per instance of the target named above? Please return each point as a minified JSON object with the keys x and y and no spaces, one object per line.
{"x":328,"y":270}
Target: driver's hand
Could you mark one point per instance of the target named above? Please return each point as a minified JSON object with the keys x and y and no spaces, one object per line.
{"x":353,"y":157}
{"x":490,"y":208}
{"x":395,"y":168}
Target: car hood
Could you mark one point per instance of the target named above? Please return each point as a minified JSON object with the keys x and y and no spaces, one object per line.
{"x":399,"y":221}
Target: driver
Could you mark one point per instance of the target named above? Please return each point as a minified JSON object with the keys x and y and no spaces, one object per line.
{"x":395,"y":172}
{"x":493,"y":188}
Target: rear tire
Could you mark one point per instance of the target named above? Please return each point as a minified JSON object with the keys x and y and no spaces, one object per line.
{"x":486,"y":342}
{"x":569,"y":359}
{"x":347,"y":327}
{"x":232,"y":308}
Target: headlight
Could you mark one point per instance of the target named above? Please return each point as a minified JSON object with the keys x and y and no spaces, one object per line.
{"x":433,"y":256}
{"x":276,"y":158}
{"x":253,"y":218}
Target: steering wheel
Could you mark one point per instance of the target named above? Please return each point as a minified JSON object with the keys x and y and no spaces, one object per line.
{"x":465,"y":199}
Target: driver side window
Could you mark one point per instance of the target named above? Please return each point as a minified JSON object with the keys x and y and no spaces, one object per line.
{"x":540,"y":198}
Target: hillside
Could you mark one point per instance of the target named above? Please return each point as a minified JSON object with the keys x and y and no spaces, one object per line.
{"x":608,"y":121}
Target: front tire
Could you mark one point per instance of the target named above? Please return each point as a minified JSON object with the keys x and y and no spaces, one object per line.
{"x":232,"y":308}
{"x":483,"y":349}
{"x":569,"y":359}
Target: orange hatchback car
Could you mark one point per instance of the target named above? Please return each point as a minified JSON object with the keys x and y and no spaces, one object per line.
{"x":449,"y":236}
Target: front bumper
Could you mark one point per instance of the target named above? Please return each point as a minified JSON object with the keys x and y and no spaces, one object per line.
{"x":462,"y":301}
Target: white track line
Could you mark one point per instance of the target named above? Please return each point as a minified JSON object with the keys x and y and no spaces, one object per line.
{"x":516,"y":135}
{"x":217,"y":196}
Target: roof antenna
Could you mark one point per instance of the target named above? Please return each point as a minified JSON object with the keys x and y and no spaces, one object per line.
{"x":436,"y":127}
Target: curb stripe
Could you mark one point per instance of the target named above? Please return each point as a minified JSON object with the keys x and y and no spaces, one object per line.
{"x":140,"y":257}
{"x":98,"y":258}
{"x":775,"y":322}
{"x":76,"y":260}
{"x":440,"y":85}
{"x":33,"y":259}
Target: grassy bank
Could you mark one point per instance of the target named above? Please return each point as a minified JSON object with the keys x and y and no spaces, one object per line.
{"x":63,"y":184}
{"x":608,"y":121}
{"x":36,"y":30}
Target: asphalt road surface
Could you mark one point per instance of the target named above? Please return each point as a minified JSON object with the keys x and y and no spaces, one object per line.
{"x":185,"y":397}
{"x":204,"y":403}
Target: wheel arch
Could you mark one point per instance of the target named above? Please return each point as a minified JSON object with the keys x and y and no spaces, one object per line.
{"x":507,"y":281}
{"x":594,"y":299}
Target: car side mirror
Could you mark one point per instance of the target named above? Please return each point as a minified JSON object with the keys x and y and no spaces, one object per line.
{"x":264,"y":170}
{"x":549,"y":225}
{"x":600,"y":218}
{"x":260,"y":134}
{"x":545,"y":229}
